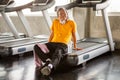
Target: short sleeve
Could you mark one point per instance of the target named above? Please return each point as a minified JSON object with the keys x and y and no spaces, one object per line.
{"x":52,"y":27}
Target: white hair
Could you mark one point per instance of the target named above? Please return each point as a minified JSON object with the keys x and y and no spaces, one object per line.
{"x":62,"y":8}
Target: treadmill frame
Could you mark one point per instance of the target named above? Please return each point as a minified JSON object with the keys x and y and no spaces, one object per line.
{"x":78,"y":58}
{"x":18,"y":9}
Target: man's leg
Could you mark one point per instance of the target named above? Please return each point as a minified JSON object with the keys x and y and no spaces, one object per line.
{"x":43,"y":56}
{"x":56,"y":54}
{"x":56,"y":57}
{"x":39,"y":56}
{"x":53,"y":63}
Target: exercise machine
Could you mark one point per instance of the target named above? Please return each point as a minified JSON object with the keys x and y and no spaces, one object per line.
{"x":91,"y":47}
{"x":22,"y":45}
{"x":8,"y":35}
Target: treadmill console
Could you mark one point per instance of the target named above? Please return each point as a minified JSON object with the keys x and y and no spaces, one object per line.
{"x":40,"y":2}
{"x":88,"y":1}
{"x":91,"y":1}
{"x":6,"y":2}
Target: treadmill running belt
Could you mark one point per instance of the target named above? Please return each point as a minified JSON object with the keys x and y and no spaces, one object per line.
{"x":22,"y":42}
{"x":88,"y":46}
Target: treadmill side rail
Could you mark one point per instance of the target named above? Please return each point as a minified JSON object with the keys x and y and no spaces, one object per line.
{"x":74,"y":59}
{"x":22,"y":49}
{"x":93,"y":54}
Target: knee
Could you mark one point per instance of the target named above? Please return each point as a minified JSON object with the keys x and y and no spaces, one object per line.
{"x":59,"y":52}
{"x":35,"y":46}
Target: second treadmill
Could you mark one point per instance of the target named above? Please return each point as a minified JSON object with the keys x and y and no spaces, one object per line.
{"x":22,"y":45}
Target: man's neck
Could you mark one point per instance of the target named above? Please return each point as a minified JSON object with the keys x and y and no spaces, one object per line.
{"x":63,"y":21}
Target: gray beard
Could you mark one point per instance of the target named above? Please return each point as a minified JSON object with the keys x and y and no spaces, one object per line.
{"x":62,"y":21}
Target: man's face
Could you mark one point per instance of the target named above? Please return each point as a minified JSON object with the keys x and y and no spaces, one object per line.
{"x":62,"y":15}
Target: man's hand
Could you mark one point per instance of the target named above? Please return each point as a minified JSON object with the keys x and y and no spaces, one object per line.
{"x":77,"y":48}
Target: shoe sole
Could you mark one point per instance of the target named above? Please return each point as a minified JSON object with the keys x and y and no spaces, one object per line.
{"x":45,"y":71}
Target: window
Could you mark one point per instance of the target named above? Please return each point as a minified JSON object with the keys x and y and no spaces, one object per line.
{"x":113,"y":9}
{"x":27,"y":12}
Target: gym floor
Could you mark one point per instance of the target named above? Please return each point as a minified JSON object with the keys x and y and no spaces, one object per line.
{"x":22,"y":67}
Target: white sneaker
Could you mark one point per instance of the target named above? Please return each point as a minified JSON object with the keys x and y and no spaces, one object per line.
{"x":46,"y":70}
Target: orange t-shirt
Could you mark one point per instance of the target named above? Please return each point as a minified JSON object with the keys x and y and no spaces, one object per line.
{"x":63,"y":32}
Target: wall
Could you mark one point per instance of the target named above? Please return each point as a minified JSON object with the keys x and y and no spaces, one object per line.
{"x":37,"y":24}
{"x":90,"y":25}
{"x":80,"y":18}
{"x":97,"y":28}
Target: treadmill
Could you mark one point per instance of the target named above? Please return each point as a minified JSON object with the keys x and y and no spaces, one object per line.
{"x":22,"y":45}
{"x":92,"y":47}
{"x":8,"y":35}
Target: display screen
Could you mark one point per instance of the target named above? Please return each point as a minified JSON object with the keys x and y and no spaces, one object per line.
{"x":91,"y":0}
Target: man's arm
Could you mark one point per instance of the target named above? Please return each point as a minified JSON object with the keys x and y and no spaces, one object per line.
{"x":51,"y":36}
{"x":74,"y":41}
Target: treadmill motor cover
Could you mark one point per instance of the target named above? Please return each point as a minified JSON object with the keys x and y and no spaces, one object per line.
{"x":72,"y":60}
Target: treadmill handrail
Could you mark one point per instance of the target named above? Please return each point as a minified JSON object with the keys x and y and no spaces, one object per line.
{"x":96,"y":6}
{"x":18,"y":8}
{"x":102,"y":5}
{"x":30,"y":5}
{"x":75,"y":4}
{"x":4,"y":4}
